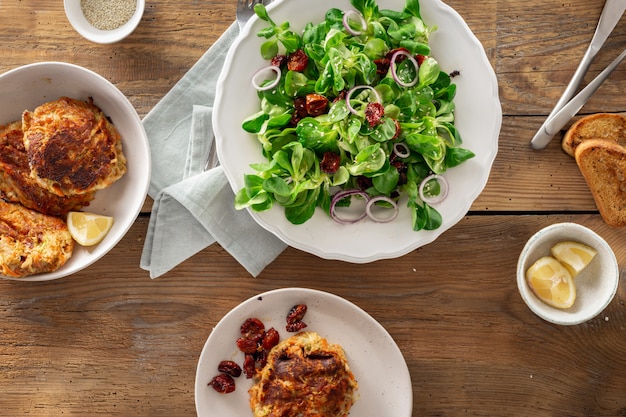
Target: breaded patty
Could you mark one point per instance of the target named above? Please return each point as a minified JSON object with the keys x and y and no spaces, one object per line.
{"x":72,"y":147}
{"x":305,"y":376}
{"x":17,"y":185}
{"x":31,"y":242}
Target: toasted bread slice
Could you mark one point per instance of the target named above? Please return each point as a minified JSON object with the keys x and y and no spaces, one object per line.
{"x":606,"y":126}
{"x":603,"y":165}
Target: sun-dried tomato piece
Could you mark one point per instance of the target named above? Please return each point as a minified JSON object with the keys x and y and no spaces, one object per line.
{"x":382,"y":65}
{"x":330,"y":162}
{"x":247,"y":345}
{"x":296,"y":313}
{"x":279,"y":60}
{"x":229,"y":367}
{"x":316,"y":104}
{"x":253,"y":329}
{"x":249,"y":367}
{"x":340,"y":96}
{"x":296,"y":326}
{"x":223,"y":383}
{"x":402,"y":168}
{"x":294,"y":318}
{"x":271,"y":339}
{"x":260,"y":359}
{"x":363,"y":182}
{"x":299,"y":104}
{"x":374,"y":113}
{"x":297,"y":61}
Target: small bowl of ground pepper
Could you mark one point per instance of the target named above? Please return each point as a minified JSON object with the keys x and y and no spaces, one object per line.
{"x":104,"y":21}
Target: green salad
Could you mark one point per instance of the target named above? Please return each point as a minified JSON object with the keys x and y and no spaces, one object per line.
{"x":353,"y":110}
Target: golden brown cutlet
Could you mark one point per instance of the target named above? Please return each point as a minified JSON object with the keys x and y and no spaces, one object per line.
{"x":305,"y":376}
{"x":31,"y":242}
{"x":16,"y":183}
{"x":72,"y":147}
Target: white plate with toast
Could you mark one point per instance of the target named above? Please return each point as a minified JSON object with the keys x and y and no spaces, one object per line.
{"x":373,"y":356}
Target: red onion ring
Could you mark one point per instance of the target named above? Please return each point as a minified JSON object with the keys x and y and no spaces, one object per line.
{"x":346,"y":22}
{"x":359,"y":87}
{"x":340,"y":196}
{"x":393,"y":66}
{"x":271,"y":85}
{"x":443,"y":182}
{"x":370,"y":213}
{"x":401,"y":149}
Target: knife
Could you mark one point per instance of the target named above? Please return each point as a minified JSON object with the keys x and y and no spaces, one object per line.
{"x":565,"y":114}
{"x":611,"y":14}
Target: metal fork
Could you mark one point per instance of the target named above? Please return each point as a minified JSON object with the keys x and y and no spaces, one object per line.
{"x":245,"y":10}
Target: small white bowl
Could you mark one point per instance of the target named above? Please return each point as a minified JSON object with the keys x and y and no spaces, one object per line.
{"x":595,"y":285}
{"x":80,"y":23}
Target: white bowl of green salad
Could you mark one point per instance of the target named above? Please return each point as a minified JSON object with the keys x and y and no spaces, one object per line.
{"x":365,"y":129}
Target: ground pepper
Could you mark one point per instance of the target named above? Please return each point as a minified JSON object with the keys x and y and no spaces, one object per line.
{"x":108,"y":14}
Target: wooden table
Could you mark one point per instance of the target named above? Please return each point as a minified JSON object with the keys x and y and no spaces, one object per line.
{"x":111,"y":341}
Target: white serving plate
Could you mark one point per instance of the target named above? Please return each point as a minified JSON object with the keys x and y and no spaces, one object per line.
{"x":478,"y":119}
{"x":373,"y":356}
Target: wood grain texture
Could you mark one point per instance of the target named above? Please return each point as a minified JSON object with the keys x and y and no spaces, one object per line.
{"x":111,"y":341}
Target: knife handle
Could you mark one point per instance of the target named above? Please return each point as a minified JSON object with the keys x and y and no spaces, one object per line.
{"x":611,"y":14}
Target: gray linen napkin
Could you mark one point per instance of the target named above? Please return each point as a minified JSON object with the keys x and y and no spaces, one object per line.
{"x":193,"y":208}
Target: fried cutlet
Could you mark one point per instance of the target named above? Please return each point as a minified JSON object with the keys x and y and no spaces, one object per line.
{"x":31,"y":242}
{"x":17,"y":185}
{"x":72,"y":147}
{"x":305,"y":376}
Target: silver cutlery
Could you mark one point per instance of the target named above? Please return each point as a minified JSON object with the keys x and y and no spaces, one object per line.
{"x":561,"y":117}
{"x":245,"y":10}
{"x":611,"y":14}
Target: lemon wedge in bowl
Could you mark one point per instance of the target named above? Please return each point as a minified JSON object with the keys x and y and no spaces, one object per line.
{"x":574,"y":256}
{"x":551,"y":282}
{"x":88,"y":229}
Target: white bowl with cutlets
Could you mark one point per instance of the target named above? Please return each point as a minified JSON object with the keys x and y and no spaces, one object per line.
{"x":32,"y":85}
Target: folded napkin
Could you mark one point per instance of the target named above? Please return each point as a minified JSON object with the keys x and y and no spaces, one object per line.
{"x":193,"y":208}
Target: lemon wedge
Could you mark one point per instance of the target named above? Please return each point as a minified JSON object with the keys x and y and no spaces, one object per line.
{"x":88,"y":229}
{"x":551,"y":282}
{"x":574,"y":256}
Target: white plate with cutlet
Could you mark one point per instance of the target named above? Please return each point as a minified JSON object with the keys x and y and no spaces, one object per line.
{"x":32,"y":85}
{"x":384,"y":382}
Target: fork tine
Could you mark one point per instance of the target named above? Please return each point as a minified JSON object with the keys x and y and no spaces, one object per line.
{"x":245,"y":10}
{"x":249,"y":3}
